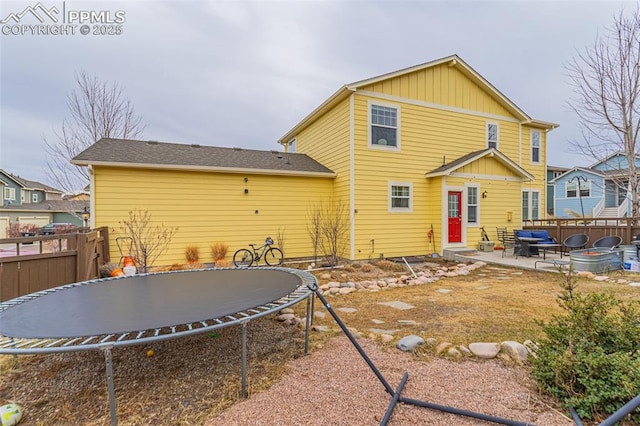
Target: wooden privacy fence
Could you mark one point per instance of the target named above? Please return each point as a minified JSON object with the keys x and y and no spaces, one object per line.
{"x":31,"y":264}
{"x":627,"y":228}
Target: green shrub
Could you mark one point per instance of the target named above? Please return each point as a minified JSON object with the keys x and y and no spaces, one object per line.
{"x":590,"y":357}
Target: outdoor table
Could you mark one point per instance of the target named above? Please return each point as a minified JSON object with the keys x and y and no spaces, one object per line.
{"x":546,"y":246}
{"x":526,"y":243}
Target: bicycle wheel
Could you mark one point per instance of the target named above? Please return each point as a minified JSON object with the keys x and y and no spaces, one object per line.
{"x":273,"y":256}
{"x":242,"y":258}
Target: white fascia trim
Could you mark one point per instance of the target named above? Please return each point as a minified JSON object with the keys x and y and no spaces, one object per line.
{"x":437,"y":106}
{"x":352,"y":179}
{"x":490,"y":177}
{"x":206,"y":169}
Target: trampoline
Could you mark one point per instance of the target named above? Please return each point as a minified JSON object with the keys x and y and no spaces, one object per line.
{"x":112,"y":312}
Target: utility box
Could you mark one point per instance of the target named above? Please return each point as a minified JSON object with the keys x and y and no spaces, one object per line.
{"x":486,"y":245}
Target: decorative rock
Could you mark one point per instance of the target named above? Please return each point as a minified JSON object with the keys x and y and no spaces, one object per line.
{"x":334,"y":290}
{"x":386,"y":338}
{"x":324,"y":287}
{"x":517,"y":351}
{"x":377,"y":321}
{"x":347,"y":310}
{"x":442,"y":347}
{"x":444,"y":290}
{"x":634,"y":284}
{"x":408,"y":322}
{"x":321,"y":328}
{"x":354,"y":331}
{"x":431,"y":341}
{"x":287,"y":311}
{"x":285,"y":317}
{"x":601,"y":278}
{"x":325,"y":276}
{"x":333,"y":284}
{"x":464,"y":350}
{"x":621,"y":281}
{"x":454,"y":353}
{"x":409,"y":343}
{"x":319,"y":314}
{"x":348,"y":285}
{"x":484,"y":287}
{"x":381,"y":331}
{"x":485,"y":350}
{"x":346,"y":290}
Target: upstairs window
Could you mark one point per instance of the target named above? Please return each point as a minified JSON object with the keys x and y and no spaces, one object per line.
{"x":10,"y":194}
{"x":384,"y":126}
{"x":400,"y":197}
{"x":492,"y":135}
{"x":535,"y":146}
{"x":572,"y":190}
{"x":34,"y":198}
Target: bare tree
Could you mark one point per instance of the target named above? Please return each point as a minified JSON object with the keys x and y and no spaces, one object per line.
{"x":334,"y":227}
{"x":606,"y":81}
{"x":148,"y":241}
{"x":314,"y":223}
{"x":98,"y":109}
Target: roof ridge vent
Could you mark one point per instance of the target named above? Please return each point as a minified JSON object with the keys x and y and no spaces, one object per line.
{"x":153,"y":142}
{"x":235,"y":148}
{"x":195,"y":145}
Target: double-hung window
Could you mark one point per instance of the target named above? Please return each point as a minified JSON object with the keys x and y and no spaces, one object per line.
{"x":572,"y":190}
{"x":492,"y":135}
{"x":10,"y":194}
{"x":472,"y":205}
{"x":384,"y":126}
{"x":530,"y":205}
{"x":400,"y":195}
{"x":535,"y":146}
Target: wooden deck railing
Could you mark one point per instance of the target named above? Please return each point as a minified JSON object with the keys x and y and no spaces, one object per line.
{"x":626,"y":228}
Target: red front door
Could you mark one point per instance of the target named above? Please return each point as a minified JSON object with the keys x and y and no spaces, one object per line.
{"x":455,"y":217}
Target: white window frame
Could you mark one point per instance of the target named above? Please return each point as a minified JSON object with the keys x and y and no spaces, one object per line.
{"x":292,"y":145}
{"x":571,"y":186}
{"x":534,"y":147}
{"x":586,"y":186}
{"x":370,"y":125}
{"x":530,"y":206}
{"x":497,"y":139}
{"x":9,"y":193}
{"x":390,"y":187}
{"x":469,"y":204}
{"x":34,"y":197}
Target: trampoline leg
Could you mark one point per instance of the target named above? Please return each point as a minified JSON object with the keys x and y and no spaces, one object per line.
{"x":244,"y":359}
{"x":308,"y":326}
{"x":112,"y":394}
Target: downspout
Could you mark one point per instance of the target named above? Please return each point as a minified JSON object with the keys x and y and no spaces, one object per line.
{"x":352,"y":192}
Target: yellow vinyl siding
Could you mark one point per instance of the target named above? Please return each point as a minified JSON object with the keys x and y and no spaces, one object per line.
{"x":210,"y":207}
{"x":442,"y":85}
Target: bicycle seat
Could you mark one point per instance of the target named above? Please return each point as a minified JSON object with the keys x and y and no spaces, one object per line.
{"x":252,"y":245}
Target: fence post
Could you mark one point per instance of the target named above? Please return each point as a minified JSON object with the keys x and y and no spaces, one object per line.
{"x":81,"y":256}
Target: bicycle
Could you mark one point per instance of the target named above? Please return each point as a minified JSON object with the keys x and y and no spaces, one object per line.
{"x":271,"y":255}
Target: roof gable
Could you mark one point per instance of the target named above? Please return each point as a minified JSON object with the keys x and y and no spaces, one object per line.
{"x":453,"y":64}
{"x":155,"y":155}
{"x":460,"y":163}
{"x":613,"y":162}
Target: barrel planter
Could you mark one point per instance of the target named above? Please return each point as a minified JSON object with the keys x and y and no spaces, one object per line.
{"x":596,"y":260}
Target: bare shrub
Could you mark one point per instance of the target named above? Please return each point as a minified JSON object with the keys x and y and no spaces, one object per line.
{"x":389,"y":266}
{"x":219,"y":251}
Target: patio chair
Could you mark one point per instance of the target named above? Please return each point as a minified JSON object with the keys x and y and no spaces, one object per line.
{"x":506,"y":239}
{"x":610,"y":241}
{"x":575,"y":242}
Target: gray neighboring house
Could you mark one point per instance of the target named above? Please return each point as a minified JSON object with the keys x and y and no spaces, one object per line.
{"x":34,"y":204}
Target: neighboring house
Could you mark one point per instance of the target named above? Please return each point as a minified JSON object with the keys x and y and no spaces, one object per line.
{"x":30,"y":203}
{"x":552,"y":173}
{"x":599,"y":190}
{"x":431,"y":147}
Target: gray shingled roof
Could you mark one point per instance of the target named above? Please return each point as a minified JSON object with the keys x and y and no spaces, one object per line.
{"x":162,"y":154}
{"x":51,"y":205}
{"x":31,"y":184}
{"x":453,"y":164}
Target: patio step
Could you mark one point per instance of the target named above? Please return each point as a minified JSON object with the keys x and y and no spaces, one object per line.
{"x":453,"y":253}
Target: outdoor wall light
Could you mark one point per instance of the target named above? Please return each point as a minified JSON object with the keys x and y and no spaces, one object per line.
{"x":509,"y":216}
{"x":246,"y":190}
{"x":484,"y":194}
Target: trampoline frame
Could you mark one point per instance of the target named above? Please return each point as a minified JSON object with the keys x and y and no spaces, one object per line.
{"x":107,"y":342}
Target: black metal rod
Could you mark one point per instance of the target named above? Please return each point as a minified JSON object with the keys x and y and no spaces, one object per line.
{"x":244,"y":359}
{"x":576,"y":418}
{"x":394,"y":400}
{"x":622,"y":412}
{"x":462,"y":412}
{"x":346,"y":331}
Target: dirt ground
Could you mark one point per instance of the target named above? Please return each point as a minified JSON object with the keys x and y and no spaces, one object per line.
{"x":189,"y":380}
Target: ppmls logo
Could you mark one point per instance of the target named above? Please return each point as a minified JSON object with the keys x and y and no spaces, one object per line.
{"x":41,"y":20}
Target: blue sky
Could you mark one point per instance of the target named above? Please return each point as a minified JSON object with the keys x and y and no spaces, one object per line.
{"x":244,"y":73}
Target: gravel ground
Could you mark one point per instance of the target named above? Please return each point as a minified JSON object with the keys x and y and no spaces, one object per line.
{"x":334,"y":386}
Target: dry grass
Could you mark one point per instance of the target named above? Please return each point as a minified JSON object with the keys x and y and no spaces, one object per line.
{"x":191,"y":379}
{"x":219,"y":251}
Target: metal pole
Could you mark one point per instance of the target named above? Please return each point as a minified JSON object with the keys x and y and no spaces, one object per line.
{"x":308,"y":324}
{"x":244,"y":358}
{"x":112,"y":393}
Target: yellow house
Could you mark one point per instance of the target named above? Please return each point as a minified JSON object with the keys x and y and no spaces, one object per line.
{"x":422,"y":157}
{"x":425,"y":157}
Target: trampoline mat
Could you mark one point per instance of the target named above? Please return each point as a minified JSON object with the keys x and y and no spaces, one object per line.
{"x":145,"y":302}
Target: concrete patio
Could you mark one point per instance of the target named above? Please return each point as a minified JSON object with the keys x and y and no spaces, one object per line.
{"x":495,"y":257}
